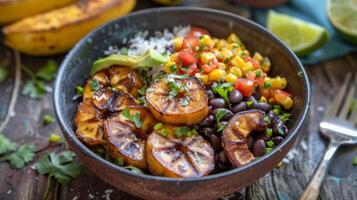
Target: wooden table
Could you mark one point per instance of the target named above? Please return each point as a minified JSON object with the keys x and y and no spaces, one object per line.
{"x":285,"y":182}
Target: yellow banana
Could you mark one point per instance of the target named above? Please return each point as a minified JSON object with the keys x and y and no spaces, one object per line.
{"x":58,"y":30}
{"x":12,"y":10}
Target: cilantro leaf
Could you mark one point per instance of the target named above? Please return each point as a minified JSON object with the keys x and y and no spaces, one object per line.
{"x":119,"y":161}
{"x":182,"y":131}
{"x":221,"y":127}
{"x":34,"y":89}
{"x":23,"y":155}
{"x":6,"y":145}
{"x":79,"y":90}
{"x":223,"y":91}
{"x":60,"y":166}
{"x":133,"y":118}
{"x":3,"y":74}
{"x":94,"y":85}
{"x":220,"y":114}
{"x":48,"y":71}
{"x":174,"y":89}
{"x":270,"y":143}
{"x":285,"y":117}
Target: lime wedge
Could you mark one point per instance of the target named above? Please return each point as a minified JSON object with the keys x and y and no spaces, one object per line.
{"x":343,"y":16}
{"x":301,"y":36}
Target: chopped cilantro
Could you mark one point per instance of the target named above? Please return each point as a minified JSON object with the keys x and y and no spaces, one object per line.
{"x":267,"y":85}
{"x":182,"y":131}
{"x":221,"y":127}
{"x":173,"y":68}
{"x":174,"y":89}
{"x":220,"y":114}
{"x":267,"y":120}
{"x":119,"y":161}
{"x":269,"y":132}
{"x":258,"y":73}
{"x":270,"y":143}
{"x":277,"y":109}
{"x":280,"y":131}
{"x":142,"y":91}
{"x":223,"y":91}
{"x":48,"y":119}
{"x":3,"y":73}
{"x":79,"y":90}
{"x":164,"y":132}
{"x":94,"y":85}
{"x":249,"y":103}
{"x":285,"y":117}
{"x":6,"y":145}
{"x":268,"y":150}
{"x":133,"y":118}
{"x":158,"y":126}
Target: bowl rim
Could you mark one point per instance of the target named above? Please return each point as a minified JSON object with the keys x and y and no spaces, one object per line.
{"x":68,"y":131}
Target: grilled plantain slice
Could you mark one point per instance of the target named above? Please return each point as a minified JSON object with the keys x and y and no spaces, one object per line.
{"x":169,"y":156}
{"x":126,"y":139}
{"x":89,"y":124}
{"x":234,"y":137}
{"x":119,"y":78}
{"x":178,"y":100}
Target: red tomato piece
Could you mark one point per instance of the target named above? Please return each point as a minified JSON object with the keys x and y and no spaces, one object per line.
{"x":197,"y":32}
{"x":245,"y":86}
{"x":280,"y":95}
{"x":208,"y":68}
{"x":190,"y":43}
{"x":266,"y":92}
{"x":186,"y":58}
{"x":192,"y":69}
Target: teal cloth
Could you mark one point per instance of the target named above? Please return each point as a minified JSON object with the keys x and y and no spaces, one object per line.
{"x":313,"y":11}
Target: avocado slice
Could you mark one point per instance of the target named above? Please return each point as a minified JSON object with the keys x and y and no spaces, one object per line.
{"x":149,"y":59}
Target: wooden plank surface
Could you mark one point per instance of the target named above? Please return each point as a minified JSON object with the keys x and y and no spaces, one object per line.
{"x":285,"y":182}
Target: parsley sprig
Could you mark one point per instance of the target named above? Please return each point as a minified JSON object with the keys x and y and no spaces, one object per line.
{"x":35,"y":87}
{"x":133,"y":118}
{"x":219,"y":116}
{"x":60,"y":166}
{"x":184,"y":131}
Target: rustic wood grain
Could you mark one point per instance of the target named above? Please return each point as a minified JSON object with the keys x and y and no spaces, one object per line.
{"x":285,"y":182}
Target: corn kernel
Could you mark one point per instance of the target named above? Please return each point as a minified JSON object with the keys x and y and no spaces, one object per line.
{"x":217,"y":75}
{"x":202,"y":77}
{"x":278,"y":82}
{"x":170,"y":67}
{"x":225,"y":55}
{"x":245,"y":53}
{"x":221,"y":44}
{"x":233,"y":38}
{"x":266,"y":64}
{"x":237,"y":61}
{"x":178,"y":41}
{"x":258,"y":57}
{"x":231,"y":78}
{"x":207,"y":57}
{"x":173,"y":57}
{"x":287,"y":103}
{"x":263,"y":99}
{"x":236,"y":71}
{"x":222,"y":66}
{"x":233,"y":46}
{"x":206,"y":42}
{"x":247,"y":67}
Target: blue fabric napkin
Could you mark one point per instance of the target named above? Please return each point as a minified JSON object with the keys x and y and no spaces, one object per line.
{"x":313,"y":11}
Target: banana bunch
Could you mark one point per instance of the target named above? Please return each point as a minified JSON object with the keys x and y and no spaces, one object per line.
{"x":56,"y":31}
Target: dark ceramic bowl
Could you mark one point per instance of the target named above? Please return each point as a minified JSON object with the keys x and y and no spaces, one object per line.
{"x":76,"y":66}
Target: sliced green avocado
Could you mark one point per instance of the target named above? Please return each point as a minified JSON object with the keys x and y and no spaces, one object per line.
{"x":149,"y":59}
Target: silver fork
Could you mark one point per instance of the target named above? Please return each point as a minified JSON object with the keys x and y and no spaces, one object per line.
{"x":338,"y":124}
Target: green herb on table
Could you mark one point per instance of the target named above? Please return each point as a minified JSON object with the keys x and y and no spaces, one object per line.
{"x":60,"y":166}
{"x":6,"y":145}
{"x":19,"y":158}
{"x":48,"y":119}
{"x":223,"y":90}
{"x":35,"y":87}
{"x":133,"y":118}
{"x":4,"y":73}
{"x":354,"y":161}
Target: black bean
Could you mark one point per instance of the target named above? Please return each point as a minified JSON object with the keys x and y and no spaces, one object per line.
{"x":227,"y":116}
{"x":218,"y":103}
{"x":239,"y":107}
{"x":206,"y":131}
{"x":261,"y":106}
{"x":210,"y":94}
{"x":252,"y":99}
{"x":258,"y":148}
{"x":262,"y":136}
{"x":215,"y":142}
{"x":208,"y":121}
{"x":235,"y":96}
{"x":250,"y":141}
{"x":272,"y":117}
{"x":277,"y":140}
{"x":279,"y":128}
{"x":210,"y":109}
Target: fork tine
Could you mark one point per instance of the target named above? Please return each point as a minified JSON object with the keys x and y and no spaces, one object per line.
{"x":346,"y":106}
{"x":334,"y":106}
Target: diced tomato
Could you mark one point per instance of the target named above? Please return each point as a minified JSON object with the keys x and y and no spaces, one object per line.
{"x":190,"y":42}
{"x":280,"y":95}
{"x":186,"y":57}
{"x":197,"y":32}
{"x":260,"y":81}
{"x":208,"y":68}
{"x":192,"y":69}
{"x":245,"y":86}
{"x":250,"y":75}
{"x":266,"y":92}
{"x":255,"y":63}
